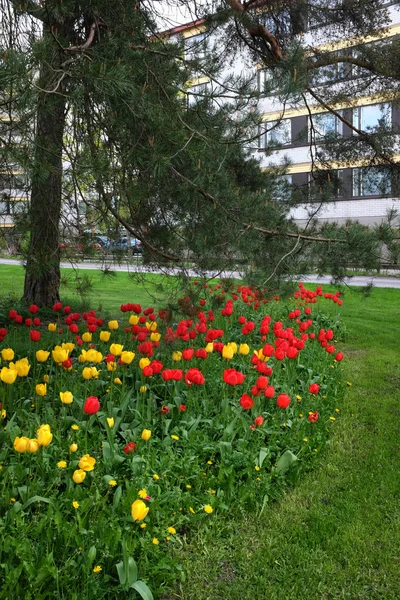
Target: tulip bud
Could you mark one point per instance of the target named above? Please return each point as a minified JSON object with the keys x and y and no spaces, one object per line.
{"x":91,"y":406}
{"x":66,"y":397}
{"x":139,"y":510}
{"x":146,"y":435}
{"x":21,"y":444}
{"x":78,"y":476}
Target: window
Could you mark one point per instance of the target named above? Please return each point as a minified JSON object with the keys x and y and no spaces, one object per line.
{"x":318,"y":180}
{"x":283,"y":188}
{"x":264,"y":79}
{"x":275,"y":133}
{"x":328,"y":73}
{"x":196,"y":46}
{"x":4,"y":208}
{"x":373,"y":181}
{"x":197,"y":93}
{"x":368,"y":118}
{"x":323,"y":125}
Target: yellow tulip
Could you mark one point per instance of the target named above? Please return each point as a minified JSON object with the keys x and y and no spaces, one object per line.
{"x":42,"y":355}
{"x":21,"y":444}
{"x":260,"y":354}
{"x":59,"y":354}
{"x":52,"y":327}
{"x":155,"y":336}
{"x":105,"y":336}
{"x":87,"y":373}
{"x":87,"y":336}
{"x":227,"y":352}
{"x":234,"y":347}
{"x":152,"y":326}
{"x":82,"y":356}
{"x":94,"y":356}
{"x":8,"y":375}
{"x":78,"y":476}
{"x":22,"y":367}
{"x":127,"y":357}
{"x":146,"y":435}
{"x":32,"y":446}
{"x":44,"y":435}
{"x":68,"y":346}
{"x":117,"y":380}
{"x":210,"y":348}
{"x":139,"y":510}
{"x":111,"y":366}
{"x":41,"y":389}
{"x":133,"y":320}
{"x":177,"y":355}
{"x":95,"y":372}
{"x":110,"y":422}
{"x":144,"y":362}
{"x":87,"y":463}
{"x":7,"y":354}
{"x":66,"y":397}
{"x":244,"y":349}
{"x":112,"y":324}
{"x":73,"y":447}
{"x":143,"y":389}
{"x":116,"y":349}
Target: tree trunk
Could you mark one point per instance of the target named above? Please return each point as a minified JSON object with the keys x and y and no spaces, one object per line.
{"x":42,"y":277}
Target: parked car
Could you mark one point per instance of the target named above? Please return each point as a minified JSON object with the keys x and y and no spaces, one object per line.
{"x":122,"y":245}
{"x":103,"y":240}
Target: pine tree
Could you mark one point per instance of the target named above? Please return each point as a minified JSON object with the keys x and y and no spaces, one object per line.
{"x":102,"y":98}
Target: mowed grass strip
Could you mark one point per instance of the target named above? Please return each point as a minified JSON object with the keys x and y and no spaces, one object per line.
{"x":336,"y":535}
{"x":98,"y":291}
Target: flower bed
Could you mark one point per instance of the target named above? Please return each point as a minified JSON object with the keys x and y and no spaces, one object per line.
{"x":118,"y":436}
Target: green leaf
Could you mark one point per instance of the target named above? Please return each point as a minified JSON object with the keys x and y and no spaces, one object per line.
{"x":36,"y":499}
{"x":132,"y":572}
{"x":107,"y":452}
{"x":225,"y":449}
{"x":286,"y":460}
{"x":23,"y":492}
{"x":91,"y":555}
{"x":142,"y":589}
{"x":264,"y":452}
{"x":121,"y":573}
{"x":117,"y":496}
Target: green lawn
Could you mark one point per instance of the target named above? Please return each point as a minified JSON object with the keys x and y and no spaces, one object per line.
{"x":336,"y":535}
{"x":100,"y":291}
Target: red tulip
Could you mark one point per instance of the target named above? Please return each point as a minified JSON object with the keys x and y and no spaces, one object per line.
{"x":314,"y":388}
{"x":91,"y":406}
{"x":283,"y":401}
{"x":35,"y":335}
{"x":246,"y":402}
{"x":130,"y":448}
{"x":313,"y":418}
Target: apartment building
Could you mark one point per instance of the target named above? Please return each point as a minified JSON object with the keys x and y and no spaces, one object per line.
{"x":13,"y":181}
{"x":297,"y":132}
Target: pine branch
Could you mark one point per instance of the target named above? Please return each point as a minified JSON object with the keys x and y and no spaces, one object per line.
{"x":256,"y":29}
{"x":268,"y":232}
{"x":365,"y":136}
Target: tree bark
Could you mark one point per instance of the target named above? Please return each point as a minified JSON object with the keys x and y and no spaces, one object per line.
{"x":42,"y":277}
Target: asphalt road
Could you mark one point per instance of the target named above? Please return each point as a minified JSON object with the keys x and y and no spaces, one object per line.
{"x":389,"y":281}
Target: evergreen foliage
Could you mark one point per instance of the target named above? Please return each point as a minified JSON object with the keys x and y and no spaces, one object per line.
{"x":101,"y":101}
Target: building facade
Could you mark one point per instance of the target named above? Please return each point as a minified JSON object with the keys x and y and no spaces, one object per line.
{"x":297,"y":132}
